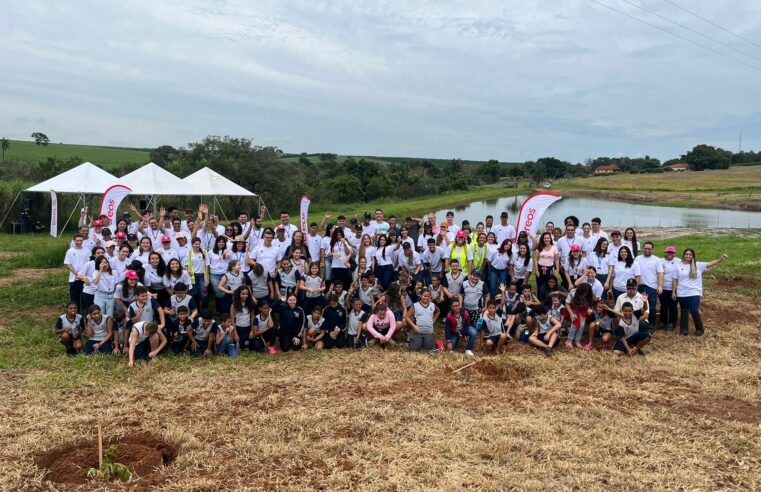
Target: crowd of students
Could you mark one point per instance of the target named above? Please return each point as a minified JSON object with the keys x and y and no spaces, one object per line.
{"x":151,"y":284}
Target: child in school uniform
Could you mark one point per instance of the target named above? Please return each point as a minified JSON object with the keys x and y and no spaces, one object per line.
{"x":242,"y":313}
{"x":179,"y":333}
{"x":544,"y":329}
{"x":314,"y":327}
{"x":365,"y":293}
{"x":602,"y":324}
{"x":632,"y":332}
{"x":313,"y":286}
{"x":180,"y":298}
{"x":286,"y":280}
{"x":457,"y":325}
{"x":494,"y":324}
{"x":228,"y":284}
{"x":292,"y":320}
{"x":334,"y":326}
{"x":69,"y":327}
{"x":146,"y":309}
{"x":263,"y":330}
{"x":421,"y":318}
{"x":356,"y":320}
{"x":227,"y":337}
{"x":261,"y":285}
{"x":146,"y":341}
{"x":202,"y":334}
{"x":121,"y":333}
{"x":99,"y":330}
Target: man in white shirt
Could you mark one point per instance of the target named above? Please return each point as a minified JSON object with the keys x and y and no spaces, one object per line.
{"x":614,"y":245}
{"x":504,"y":230}
{"x":245,"y":225}
{"x":585,"y":234}
{"x":285,"y":223}
{"x":281,"y":242}
{"x":668,"y":303}
{"x":451,"y":226}
{"x":266,"y":253}
{"x":313,"y":241}
{"x":631,"y":295}
{"x":434,"y":260}
{"x":75,"y":259}
{"x":152,"y":232}
{"x":381,"y":226}
{"x":369,"y":227}
{"x":651,"y":278}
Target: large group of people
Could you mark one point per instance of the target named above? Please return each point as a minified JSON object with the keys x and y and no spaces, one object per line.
{"x":146,"y":285}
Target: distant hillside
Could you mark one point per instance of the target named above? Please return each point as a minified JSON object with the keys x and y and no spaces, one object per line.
{"x":389,"y":160}
{"x":105,"y":157}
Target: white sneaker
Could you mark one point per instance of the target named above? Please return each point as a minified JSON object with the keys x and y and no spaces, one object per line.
{"x":470,"y":353}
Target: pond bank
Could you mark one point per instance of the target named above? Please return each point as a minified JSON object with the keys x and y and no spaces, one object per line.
{"x":724,"y":200}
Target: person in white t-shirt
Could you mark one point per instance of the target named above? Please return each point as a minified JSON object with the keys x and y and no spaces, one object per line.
{"x":267,"y":253}
{"x":504,"y":230}
{"x":687,"y":288}
{"x":451,"y":226}
{"x":651,"y":278}
{"x":668,"y":303}
{"x":76,"y":258}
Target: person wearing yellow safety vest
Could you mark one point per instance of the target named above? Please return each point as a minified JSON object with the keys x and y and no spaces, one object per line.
{"x":499,"y":265}
{"x":198,"y":269}
{"x":480,"y":254}
{"x":460,"y":251}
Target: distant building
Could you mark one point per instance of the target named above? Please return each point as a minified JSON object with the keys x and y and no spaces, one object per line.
{"x":608,"y":169}
{"x":678,"y":167}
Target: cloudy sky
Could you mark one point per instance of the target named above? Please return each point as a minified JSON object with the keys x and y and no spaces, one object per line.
{"x":506,"y":79}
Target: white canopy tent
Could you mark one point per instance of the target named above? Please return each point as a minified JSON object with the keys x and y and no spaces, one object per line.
{"x":86,"y":178}
{"x":208,"y":182}
{"x":152,"y":180}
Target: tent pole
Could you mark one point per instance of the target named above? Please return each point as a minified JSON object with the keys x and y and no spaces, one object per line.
{"x":220,"y":208}
{"x":81,"y":197}
{"x":9,"y":210}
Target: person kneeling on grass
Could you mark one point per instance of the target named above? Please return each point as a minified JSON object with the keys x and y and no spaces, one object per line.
{"x":99,"y":331}
{"x":227,"y":337}
{"x":262,"y":332}
{"x":355,"y":324}
{"x":494,"y":324}
{"x":332,"y":332}
{"x":602,"y":323}
{"x":292,"y":321}
{"x":544,"y":329}
{"x":202,"y":334}
{"x":632,"y":333}
{"x":146,"y":342}
{"x":457,"y":325}
{"x":314,"y":327}
{"x":69,"y":327}
{"x":382,"y":324}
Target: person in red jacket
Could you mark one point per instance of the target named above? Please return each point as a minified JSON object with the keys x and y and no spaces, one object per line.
{"x":456,"y":326}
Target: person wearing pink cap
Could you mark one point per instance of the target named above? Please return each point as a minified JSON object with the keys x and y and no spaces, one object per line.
{"x":575,"y":265}
{"x":166,"y":251}
{"x":668,"y":304}
{"x":460,"y":251}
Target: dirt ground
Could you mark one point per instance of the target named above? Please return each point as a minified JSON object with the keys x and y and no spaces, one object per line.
{"x":685,"y":416}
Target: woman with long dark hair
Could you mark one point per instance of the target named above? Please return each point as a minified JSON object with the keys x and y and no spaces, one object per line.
{"x":546,"y":260}
{"x":499,"y":266}
{"x":687,"y":288}
{"x":621,"y":271}
{"x":342,"y":252}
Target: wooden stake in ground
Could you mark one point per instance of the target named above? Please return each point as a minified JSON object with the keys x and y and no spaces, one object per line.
{"x":463,"y":367}
{"x":100,"y":448}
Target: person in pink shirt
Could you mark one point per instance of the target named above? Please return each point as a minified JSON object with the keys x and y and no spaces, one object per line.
{"x":382,"y":324}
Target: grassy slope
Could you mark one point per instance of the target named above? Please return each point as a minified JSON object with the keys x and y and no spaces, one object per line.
{"x":401,"y":420}
{"x":106,"y":157}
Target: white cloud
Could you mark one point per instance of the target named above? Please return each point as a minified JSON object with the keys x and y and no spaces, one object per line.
{"x":507,"y":79}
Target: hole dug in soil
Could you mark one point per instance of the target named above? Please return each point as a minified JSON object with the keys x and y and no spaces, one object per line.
{"x":141,"y":453}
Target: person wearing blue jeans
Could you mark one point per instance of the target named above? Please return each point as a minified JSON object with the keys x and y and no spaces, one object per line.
{"x":457,"y":325}
{"x":227,"y":337}
{"x":652,"y":300}
{"x":687,"y":288}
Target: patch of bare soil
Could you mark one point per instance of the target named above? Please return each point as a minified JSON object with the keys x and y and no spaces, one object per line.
{"x":495,"y":371}
{"x":720,"y":408}
{"x":26,"y":274}
{"x":141,"y":453}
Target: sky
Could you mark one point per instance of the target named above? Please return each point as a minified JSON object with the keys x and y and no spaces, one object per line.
{"x":507,"y":79}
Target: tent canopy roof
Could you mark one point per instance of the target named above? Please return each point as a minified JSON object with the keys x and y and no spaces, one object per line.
{"x":152,"y":180}
{"x":85,"y":178}
{"x":206,"y":181}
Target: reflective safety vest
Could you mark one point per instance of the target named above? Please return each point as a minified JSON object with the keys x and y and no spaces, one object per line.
{"x":478,"y":257}
{"x":462,"y":257}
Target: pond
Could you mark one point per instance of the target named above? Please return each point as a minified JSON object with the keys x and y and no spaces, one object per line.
{"x":613,"y":214}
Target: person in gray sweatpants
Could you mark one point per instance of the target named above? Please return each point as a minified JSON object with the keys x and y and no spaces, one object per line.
{"x":420,"y":318}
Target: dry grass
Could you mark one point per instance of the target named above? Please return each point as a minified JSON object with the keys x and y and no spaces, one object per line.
{"x":687,"y":416}
{"x":734,"y":178}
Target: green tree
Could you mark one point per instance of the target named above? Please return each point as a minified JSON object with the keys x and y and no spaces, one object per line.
{"x":346,"y":189}
{"x":554,"y":168}
{"x":707,"y":157}
{"x":40,"y":139}
{"x":6,"y":144}
{"x":538,"y":171}
{"x":379,"y":187}
{"x":490,"y":171}
{"x":164,"y":155}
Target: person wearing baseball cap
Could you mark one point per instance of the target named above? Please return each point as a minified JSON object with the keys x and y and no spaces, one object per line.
{"x":668,"y":304}
{"x":124,"y":295}
{"x":616,"y":241}
{"x":460,"y":251}
{"x":631,"y":295}
{"x":167,"y":252}
{"x":575,"y":265}
{"x":182,"y":247}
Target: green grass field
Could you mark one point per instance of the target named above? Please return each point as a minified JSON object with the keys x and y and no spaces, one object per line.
{"x":106,"y":157}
